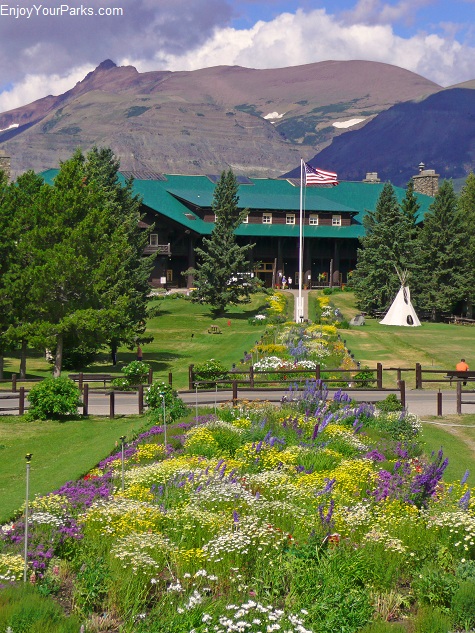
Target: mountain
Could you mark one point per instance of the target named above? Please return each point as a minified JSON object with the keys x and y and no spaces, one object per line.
{"x":438,"y":131}
{"x":259,"y":122}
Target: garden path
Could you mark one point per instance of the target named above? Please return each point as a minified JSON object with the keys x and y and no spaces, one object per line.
{"x":295,"y":293}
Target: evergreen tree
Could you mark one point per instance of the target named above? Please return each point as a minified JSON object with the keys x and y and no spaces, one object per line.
{"x":439,"y":283}
{"x":21,"y":211}
{"x":77,"y":275}
{"x":466,"y":205}
{"x":386,"y":245}
{"x":6,"y":248}
{"x":223,"y":274}
{"x":126,"y":290}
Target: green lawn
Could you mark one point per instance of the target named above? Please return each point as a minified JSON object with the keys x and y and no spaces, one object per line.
{"x":458,"y":444}
{"x":61,"y":451}
{"x":181,"y":337}
{"x":434,"y":345}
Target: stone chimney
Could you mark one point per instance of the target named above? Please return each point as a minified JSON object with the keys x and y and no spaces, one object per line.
{"x":5,"y":164}
{"x":372,"y":176}
{"x":426,"y":181}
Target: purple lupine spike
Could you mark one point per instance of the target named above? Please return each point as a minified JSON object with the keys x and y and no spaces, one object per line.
{"x":465,"y":477}
{"x":465,"y":499}
{"x":235,"y":516}
{"x":258,"y":447}
{"x":315,"y":431}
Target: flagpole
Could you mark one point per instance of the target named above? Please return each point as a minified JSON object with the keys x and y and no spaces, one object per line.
{"x":299,"y":312}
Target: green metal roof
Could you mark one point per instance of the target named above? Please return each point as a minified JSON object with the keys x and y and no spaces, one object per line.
{"x":167,"y":197}
{"x":263,"y":193}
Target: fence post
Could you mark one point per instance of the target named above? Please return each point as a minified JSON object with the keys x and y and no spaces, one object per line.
{"x":81,"y":381}
{"x":251,"y":376}
{"x":418,"y":376}
{"x":317,"y":372}
{"x":439,"y":403}
{"x":402,"y":393}
{"x":13,"y":383}
{"x":235,"y":391}
{"x":170,"y":379}
{"x":21,"y":401}
{"x":398,"y":375}
{"x":85,"y":400}
{"x":140,"y":399}
{"x":111,"y":404}
{"x":190,"y":377}
{"x":150,"y":375}
{"x":459,"y":397}
{"x":379,"y":376}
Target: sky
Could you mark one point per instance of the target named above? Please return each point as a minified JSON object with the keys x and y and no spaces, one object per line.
{"x":47,"y":47}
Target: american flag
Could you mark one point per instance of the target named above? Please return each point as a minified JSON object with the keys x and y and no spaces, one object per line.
{"x":314,"y":176}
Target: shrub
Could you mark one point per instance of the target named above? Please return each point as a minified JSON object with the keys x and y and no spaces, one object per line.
{"x":211,"y":370}
{"x":53,"y":398}
{"x":366,"y":375}
{"x":391,"y":403}
{"x":174,"y":407}
{"x":135,"y":373}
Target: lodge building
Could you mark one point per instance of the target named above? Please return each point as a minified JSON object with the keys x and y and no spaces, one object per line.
{"x":177,"y":210}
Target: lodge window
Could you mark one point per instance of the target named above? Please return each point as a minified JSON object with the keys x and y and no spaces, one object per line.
{"x":267,"y":218}
{"x":336,"y":220}
{"x":313,"y":219}
{"x":290,"y":218}
{"x":245,"y":220}
{"x":153,"y":239}
{"x":169,"y":276}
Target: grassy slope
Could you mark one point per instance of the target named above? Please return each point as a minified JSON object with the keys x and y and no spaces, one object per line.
{"x":434,"y":345}
{"x":65,"y":451}
{"x":61,"y":452}
{"x":180,"y":337}
{"x":456,"y":436}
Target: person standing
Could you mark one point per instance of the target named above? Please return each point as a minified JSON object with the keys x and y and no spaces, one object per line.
{"x":289,"y":281}
{"x":284,"y":281}
{"x":462,"y":366}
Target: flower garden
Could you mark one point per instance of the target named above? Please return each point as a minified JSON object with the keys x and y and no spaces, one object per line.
{"x":320,"y":515}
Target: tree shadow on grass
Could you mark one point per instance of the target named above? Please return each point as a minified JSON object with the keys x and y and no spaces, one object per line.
{"x":158,"y":361}
{"x":243,"y":316}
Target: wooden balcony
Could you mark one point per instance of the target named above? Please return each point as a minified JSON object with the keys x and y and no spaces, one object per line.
{"x":158,"y":249}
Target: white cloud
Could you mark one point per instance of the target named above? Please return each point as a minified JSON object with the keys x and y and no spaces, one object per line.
{"x":289,"y":40}
{"x":306,"y":37}
{"x":33,"y":87}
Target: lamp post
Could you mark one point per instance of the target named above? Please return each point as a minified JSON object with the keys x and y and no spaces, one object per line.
{"x":28,"y":457}
{"x":164,"y":420}
{"x":122,"y":440}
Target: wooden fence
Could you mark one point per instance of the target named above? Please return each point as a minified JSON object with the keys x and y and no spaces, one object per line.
{"x":279,"y":377}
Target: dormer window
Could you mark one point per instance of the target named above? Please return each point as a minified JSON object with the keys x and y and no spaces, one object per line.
{"x":267,"y":218}
{"x":290,"y":218}
{"x":313,"y":219}
{"x":336,"y":220}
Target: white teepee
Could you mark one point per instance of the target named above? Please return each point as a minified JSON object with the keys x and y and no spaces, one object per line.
{"x":401,"y":311}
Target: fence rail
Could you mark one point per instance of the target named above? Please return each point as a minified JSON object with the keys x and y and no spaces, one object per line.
{"x":22,"y":397}
{"x":252,"y":376}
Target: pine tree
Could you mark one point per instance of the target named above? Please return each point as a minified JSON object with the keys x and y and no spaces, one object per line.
{"x":386,"y":246}
{"x":466,"y":205}
{"x":439,"y":283}
{"x":77,"y":274}
{"x":223,"y":274}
